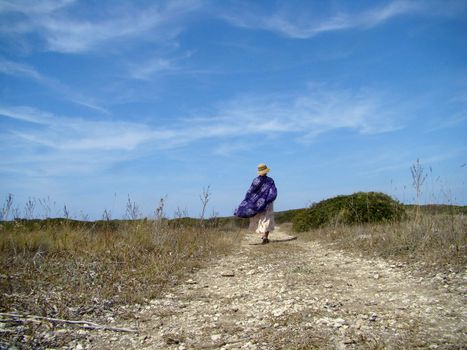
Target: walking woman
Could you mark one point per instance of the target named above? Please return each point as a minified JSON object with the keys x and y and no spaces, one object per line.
{"x":258,"y":204}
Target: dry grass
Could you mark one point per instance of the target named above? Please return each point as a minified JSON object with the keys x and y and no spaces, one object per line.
{"x":65,"y":270}
{"x":437,"y":240}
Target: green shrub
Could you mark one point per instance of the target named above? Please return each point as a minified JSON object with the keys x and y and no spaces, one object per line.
{"x":357,"y":208}
{"x":287,"y":215}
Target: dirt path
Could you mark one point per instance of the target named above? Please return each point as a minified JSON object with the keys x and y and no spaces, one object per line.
{"x":299,"y":295}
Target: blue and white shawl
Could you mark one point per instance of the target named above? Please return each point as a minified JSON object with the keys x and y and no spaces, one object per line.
{"x":261,"y":192}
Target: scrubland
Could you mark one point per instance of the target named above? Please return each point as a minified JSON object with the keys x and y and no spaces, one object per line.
{"x":70,"y":269}
{"x":434,"y":237}
{"x":61,"y":268}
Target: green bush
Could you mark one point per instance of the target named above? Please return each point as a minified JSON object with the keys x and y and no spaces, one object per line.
{"x":360,"y":207}
{"x":287,"y":215}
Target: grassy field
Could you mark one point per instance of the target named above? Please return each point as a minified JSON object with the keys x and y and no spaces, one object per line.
{"x":65,"y":268}
{"x":433,"y":236}
{"x":78,"y":269}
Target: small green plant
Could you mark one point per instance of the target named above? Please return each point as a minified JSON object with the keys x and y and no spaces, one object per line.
{"x":360,"y":207}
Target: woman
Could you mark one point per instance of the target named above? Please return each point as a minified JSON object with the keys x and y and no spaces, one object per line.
{"x":258,"y":204}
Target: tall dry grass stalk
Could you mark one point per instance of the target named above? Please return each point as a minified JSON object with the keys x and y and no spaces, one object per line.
{"x":63,"y":269}
{"x":418,"y":179}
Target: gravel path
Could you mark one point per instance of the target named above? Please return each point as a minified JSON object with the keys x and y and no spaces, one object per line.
{"x":299,"y":295}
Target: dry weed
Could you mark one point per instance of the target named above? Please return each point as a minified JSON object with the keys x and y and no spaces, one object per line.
{"x":64,"y":270}
{"x":437,"y":240}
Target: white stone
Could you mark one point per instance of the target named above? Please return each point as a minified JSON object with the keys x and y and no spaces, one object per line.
{"x":339,"y":322}
{"x":278,"y":312}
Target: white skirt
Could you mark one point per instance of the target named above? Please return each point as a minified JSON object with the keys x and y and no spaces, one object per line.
{"x":263,"y":222}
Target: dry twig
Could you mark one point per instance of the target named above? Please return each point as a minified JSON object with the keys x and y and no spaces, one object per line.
{"x":81,"y":324}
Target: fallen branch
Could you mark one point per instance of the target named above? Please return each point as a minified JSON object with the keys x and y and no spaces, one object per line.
{"x":80,"y":324}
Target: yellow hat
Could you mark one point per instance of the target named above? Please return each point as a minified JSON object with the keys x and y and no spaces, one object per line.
{"x":263,"y":169}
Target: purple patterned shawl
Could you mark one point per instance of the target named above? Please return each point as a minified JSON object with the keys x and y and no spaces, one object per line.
{"x":261,"y":192}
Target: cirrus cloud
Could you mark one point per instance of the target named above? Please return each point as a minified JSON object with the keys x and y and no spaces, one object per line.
{"x":301,"y":117}
{"x":63,"y":31}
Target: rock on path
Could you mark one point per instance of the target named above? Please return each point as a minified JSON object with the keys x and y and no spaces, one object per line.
{"x":299,"y":295}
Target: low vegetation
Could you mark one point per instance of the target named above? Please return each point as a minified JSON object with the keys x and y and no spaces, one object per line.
{"x":71,"y":269}
{"x":358,"y":208}
{"x":287,"y":216}
{"x":434,"y":238}
{"x":66,"y":268}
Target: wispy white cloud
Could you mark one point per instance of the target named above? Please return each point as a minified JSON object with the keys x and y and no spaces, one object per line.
{"x":302,"y":117}
{"x":64,"y":27}
{"x":27,"y":114}
{"x":33,"y":7}
{"x":64,"y":31}
{"x":147,"y":69}
{"x":77,"y":134}
{"x":45,"y":144}
{"x":231,"y":148}
{"x":402,"y":158}
{"x":456,"y":120}
{"x":299,"y":24}
{"x":26,"y":71}
{"x":309,"y":114}
{"x":19,"y":69}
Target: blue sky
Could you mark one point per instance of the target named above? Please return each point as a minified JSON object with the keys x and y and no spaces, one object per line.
{"x":101,"y":100}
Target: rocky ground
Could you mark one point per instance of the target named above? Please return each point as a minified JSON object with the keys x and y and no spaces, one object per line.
{"x":294,"y":295}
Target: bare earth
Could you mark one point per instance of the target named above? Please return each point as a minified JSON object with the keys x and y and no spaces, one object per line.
{"x":298,"y":295}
